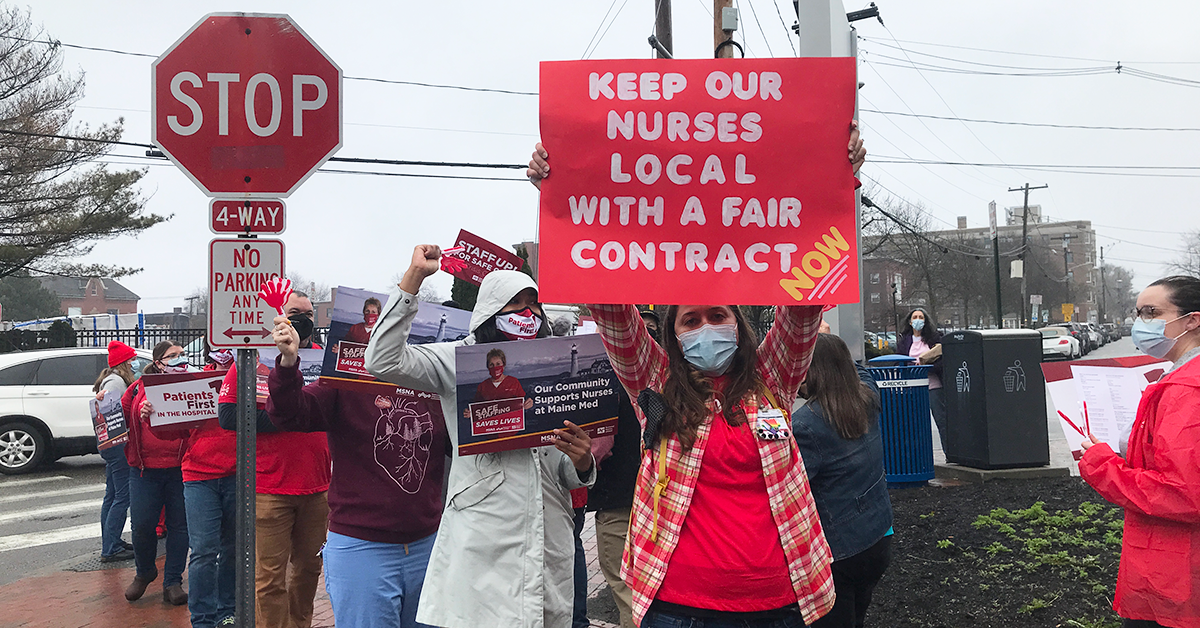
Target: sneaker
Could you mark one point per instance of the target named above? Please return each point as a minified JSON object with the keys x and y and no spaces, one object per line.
{"x":125,"y":554}
{"x":228,"y":621}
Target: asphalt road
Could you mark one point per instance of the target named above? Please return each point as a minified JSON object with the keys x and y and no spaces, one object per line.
{"x":50,"y":515}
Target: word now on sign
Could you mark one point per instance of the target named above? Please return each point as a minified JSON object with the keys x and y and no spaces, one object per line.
{"x":724,"y":178}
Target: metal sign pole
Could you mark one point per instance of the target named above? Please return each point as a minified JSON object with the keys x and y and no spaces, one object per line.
{"x":247,"y":371}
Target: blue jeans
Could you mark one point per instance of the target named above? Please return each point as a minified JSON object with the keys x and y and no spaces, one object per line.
{"x":654,"y":619}
{"x":375,"y":585}
{"x":579,"y":617}
{"x":115,"y":508}
{"x":212,"y":517}
{"x":150,"y":491}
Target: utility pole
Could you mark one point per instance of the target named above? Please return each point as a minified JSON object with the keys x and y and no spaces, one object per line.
{"x":1025,"y":247}
{"x":662,"y":28}
{"x":720,"y":33}
{"x":1067,"y":266}
{"x":1103,"y":288}
{"x":996,"y":260}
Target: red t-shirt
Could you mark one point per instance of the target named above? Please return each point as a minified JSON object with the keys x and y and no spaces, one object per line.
{"x":729,"y":557}
{"x":287,"y":463}
{"x":358,"y":333}
{"x":509,"y":387}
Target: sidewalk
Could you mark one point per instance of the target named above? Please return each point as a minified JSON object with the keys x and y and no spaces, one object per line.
{"x":96,"y":599}
{"x":61,"y":598}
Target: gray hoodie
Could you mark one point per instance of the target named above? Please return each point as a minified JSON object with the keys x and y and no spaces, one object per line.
{"x":505,"y":551}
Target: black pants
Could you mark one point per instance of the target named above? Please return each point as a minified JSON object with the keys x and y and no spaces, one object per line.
{"x":854,"y":580}
{"x":1140,"y":623}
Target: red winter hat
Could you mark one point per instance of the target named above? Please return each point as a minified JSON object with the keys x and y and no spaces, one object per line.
{"x":119,"y":352}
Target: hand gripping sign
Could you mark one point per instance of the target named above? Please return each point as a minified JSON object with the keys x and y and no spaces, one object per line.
{"x":719,"y":180}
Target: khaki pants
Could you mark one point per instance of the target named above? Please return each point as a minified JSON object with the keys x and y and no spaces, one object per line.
{"x":289,"y":529}
{"x":611,"y":528}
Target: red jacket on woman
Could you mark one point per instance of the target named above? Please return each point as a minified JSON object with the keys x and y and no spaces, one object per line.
{"x":145,"y":450}
{"x":1158,"y":485}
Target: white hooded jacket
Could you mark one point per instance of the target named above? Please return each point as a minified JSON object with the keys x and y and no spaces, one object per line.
{"x":504,"y":555}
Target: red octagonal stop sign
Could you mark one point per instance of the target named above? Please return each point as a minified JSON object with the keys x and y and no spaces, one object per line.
{"x":247,"y":104}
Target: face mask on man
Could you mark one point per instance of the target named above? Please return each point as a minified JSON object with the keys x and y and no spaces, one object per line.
{"x":303,"y":325}
{"x":522,"y":325}
{"x":1151,"y":336}
{"x":710,"y":348}
{"x":918,"y":325}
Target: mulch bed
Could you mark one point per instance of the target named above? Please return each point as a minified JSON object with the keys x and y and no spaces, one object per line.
{"x":1030,"y":553}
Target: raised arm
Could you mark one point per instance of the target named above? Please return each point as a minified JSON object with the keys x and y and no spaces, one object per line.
{"x":785,"y":353}
{"x":389,"y":356}
{"x":637,"y":360}
{"x":294,"y":407}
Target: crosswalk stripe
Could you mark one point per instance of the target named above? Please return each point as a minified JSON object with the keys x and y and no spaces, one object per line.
{"x":34,"y":514}
{"x":75,"y":490}
{"x":27,"y":482}
{"x":61,"y":535}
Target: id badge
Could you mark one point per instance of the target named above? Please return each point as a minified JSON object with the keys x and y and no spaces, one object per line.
{"x":772,"y":425}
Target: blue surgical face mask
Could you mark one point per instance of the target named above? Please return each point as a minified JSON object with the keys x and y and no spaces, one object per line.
{"x":918,"y":325}
{"x":710,"y":348}
{"x":178,"y":364}
{"x":1151,"y":336}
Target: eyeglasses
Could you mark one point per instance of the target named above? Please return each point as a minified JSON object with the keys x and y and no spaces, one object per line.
{"x":1149,"y":312}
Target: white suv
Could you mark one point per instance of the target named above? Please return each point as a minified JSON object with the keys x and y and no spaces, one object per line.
{"x":44,"y":411}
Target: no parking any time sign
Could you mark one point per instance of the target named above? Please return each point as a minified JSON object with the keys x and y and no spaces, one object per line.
{"x":237,"y":317}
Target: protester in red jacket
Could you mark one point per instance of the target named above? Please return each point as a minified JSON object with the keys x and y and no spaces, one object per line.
{"x":155,"y":484}
{"x":292,"y":510}
{"x":1158,"y":482}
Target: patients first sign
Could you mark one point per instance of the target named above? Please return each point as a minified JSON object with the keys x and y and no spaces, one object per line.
{"x":247,"y":104}
{"x":698,"y":181}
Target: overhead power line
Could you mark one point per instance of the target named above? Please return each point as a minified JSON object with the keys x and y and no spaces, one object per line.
{"x":1023,"y":54}
{"x":56,"y":42}
{"x":1033,"y":124}
{"x":356,"y":160}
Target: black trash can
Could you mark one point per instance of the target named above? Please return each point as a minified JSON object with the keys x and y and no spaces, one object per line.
{"x":995,"y":399}
{"x":904,"y":421}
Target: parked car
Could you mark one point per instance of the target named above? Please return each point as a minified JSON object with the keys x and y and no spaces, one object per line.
{"x":1125,"y":328}
{"x":1059,"y":344}
{"x":1097,"y":334}
{"x":1110,"y":330}
{"x":44,"y":411}
{"x":1077,"y":331}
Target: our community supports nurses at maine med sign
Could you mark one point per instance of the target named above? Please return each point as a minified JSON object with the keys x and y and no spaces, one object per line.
{"x":673,"y":179}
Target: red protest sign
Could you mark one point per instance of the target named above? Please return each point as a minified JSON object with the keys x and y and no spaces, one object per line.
{"x":481,"y":257}
{"x":721,"y":181}
{"x":497,"y":417}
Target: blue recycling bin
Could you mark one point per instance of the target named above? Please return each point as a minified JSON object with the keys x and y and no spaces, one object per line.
{"x":907,"y":435}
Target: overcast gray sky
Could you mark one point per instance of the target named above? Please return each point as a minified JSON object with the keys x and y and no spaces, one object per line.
{"x":359,"y":230}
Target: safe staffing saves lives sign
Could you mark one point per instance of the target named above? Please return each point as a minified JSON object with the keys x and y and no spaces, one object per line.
{"x":673,"y":179}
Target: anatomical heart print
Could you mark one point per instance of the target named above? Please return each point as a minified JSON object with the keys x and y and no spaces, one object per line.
{"x":404,"y":435}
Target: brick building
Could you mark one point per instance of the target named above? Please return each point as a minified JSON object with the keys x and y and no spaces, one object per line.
{"x":91,"y":295}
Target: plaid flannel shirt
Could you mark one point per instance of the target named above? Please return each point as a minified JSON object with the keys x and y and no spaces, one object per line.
{"x":783,"y":359}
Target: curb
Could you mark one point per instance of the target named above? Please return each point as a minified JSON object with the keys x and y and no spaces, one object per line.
{"x":978,"y":476}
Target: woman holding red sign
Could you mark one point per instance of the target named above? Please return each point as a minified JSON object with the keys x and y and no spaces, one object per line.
{"x":724,"y":526}
{"x":505,"y":551}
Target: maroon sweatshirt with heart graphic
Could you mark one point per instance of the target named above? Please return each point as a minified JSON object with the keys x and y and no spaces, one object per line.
{"x":389,"y":451}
